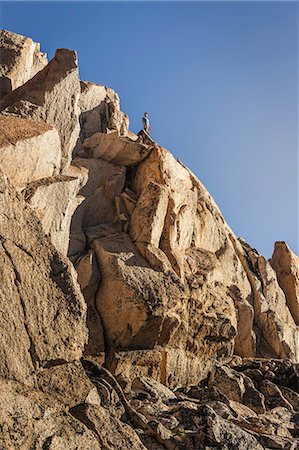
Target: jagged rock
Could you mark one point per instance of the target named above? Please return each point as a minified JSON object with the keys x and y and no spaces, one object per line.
{"x":51,"y":96}
{"x":43,"y":311}
{"x":68,"y":383}
{"x":20,"y":59}
{"x":89,"y":279}
{"x":279,"y":336}
{"x":286,"y":265}
{"x":104,"y":183}
{"x":100,"y":112}
{"x":55,"y":200}
{"x":115,"y":148}
{"x":23,"y":158}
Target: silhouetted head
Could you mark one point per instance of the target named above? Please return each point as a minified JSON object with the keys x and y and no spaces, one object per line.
{"x":145,"y":114}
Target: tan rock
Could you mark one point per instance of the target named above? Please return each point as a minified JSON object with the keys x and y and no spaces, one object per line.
{"x":89,"y":279}
{"x":286,"y":265}
{"x":68,"y":383}
{"x":31,"y":419}
{"x":51,"y":96}
{"x":20,"y":58}
{"x":55,"y":200}
{"x":111,"y":432}
{"x":100,"y":112}
{"x":43,"y":311}
{"x":142,"y":308}
{"x":104,"y":182}
{"x":278,"y":335}
{"x":23,"y":158}
{"x":115,"y":148}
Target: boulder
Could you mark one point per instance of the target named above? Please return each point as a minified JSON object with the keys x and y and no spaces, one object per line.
{"x":51,"y":96}
{"x":55,"y":200}
{"x":23,"y":158}
{"x":43,"y":311}
{"x":286,"y":265}
{"x":115,"y":148}
{"x":20,"y":59}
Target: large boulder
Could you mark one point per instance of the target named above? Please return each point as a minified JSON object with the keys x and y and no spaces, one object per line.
{"x":286,"y":265}
{"x":23,"y":158}
{"x":51,"y":96}
{"x":43,"y":311}
{"x":115,"y":148}
{"x":20,"y":60}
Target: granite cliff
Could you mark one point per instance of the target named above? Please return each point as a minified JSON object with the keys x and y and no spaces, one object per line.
{"x":132,"y":316}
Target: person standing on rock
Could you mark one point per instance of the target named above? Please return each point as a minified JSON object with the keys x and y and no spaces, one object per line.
{"x":146,"y":123}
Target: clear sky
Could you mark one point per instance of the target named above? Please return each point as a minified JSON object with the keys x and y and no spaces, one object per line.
{"x":219,"y":81}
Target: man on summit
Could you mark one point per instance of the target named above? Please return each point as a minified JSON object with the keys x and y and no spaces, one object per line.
{"x":146,"y":123}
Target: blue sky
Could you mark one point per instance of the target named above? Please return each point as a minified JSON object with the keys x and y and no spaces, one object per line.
{"x":219,"y":80}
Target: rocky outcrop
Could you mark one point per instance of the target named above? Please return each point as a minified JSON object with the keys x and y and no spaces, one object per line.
{"x":23,"y":158}
{"x":116,"y":149}
{"x":51,"y":96}
{"x":43,"y":311}
{"x":286,"y":265}
{"x":100,"y":112}
{"x":164,"y":330}
{"x":20,"y":60}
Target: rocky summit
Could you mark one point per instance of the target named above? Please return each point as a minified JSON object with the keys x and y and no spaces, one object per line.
{"x":132,"y":317}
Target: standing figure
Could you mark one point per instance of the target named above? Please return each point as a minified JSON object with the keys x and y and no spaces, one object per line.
{"x":146,"y":123}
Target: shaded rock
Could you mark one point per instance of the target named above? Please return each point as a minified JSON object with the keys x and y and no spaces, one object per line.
{"x":23,"y":158}
{"x":54,"y":200}
{"x":286,"y":265}
{"x":51,"y":96}
{"x":116,"y":149}
{"x":104,"y":183}
{"x":20,"y":59}
{"x":43,"y":311}
{"x":68,"y":383}
{"x":31,"y":419}
{"x":89,"y":279}
{"x":110,"y":432}
{"x":100,"y":112}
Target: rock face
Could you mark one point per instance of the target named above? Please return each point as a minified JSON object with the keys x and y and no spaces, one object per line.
{"x":20,"y":60}
{"x":162,"y":329}
{"x":23,"y":158}
{"x":51,"y":96}
{"x":286,"y":265}
{"x":43,"y":312}
{"x":100,"y":112}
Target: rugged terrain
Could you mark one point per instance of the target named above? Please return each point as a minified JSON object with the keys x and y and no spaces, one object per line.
{"x":132,"y":317}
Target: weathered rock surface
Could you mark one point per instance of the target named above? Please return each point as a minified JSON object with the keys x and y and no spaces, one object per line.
{"x":43,"y":312}
{"x":100,"y":112}
{"x":55,"y":200}
{"x":286,"y":265}
{"x":20,"y":60}
{"x":192,"y":341}
{"x":116,"y":149}
{"x":29,"y":150}
{"x":51,"y":96}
